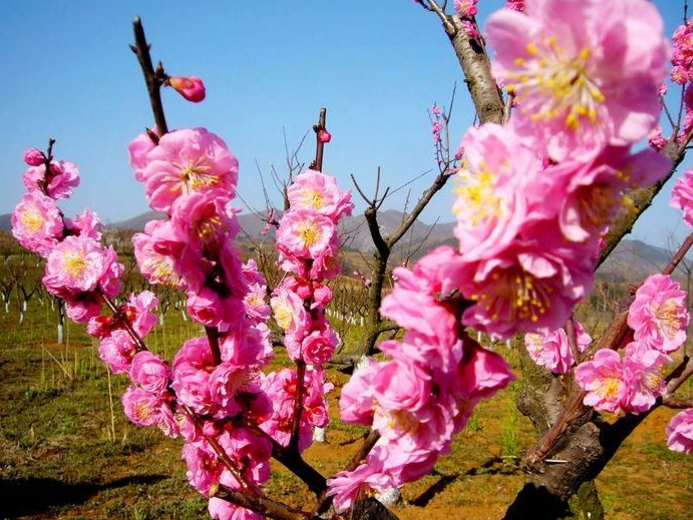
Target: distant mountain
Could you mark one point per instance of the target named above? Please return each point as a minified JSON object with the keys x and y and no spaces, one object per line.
{"x":137,"y":223}
{"x":632,"y":260}
{"x":6,"y":223}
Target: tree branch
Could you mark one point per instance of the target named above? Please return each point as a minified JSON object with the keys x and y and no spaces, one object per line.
{"x":152,"y":78}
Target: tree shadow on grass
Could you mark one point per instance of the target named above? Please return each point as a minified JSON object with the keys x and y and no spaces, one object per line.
{"x":493,"y":466}
{"x":31,"y":496}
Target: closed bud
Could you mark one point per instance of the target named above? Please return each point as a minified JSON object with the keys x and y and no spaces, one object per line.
{"x":190,"y":87}
{"x":324,"y":136}
{"x":34,"y":157}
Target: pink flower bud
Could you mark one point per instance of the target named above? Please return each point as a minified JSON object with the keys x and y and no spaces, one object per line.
{"x":324,"y":136}
{"x":191,"y":88}
{"x":34,"y":157}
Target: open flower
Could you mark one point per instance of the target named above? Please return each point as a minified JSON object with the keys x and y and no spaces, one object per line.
{"x":188,"y":161}
{"x":37,"y":223}
{"x":603,"y":380}
{"x":680,"y":432}
{"x":585,"y":73}
{"x":658,"y":315}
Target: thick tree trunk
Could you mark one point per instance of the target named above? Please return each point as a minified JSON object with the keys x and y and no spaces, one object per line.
{"x":583,"y":455}
{"x":541,"y":399}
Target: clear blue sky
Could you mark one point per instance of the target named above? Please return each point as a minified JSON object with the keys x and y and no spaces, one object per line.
{"x":66,"y":72}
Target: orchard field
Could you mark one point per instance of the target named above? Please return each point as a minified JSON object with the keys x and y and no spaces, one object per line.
{"x":68,"y":451}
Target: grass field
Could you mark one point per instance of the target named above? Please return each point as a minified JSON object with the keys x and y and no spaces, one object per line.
{"x":67,"y":451}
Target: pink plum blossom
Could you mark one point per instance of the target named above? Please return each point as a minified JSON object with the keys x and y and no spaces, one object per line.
{"x":682,"y":54}
{"x":228,"y":385}
{"x":37,"y":223}
{"x":492,"y":190}
{"x":603,"y":380}
{"x":145,"y":409}
{"x":682,"y":196}
{"x":191,"y":371}
{"x":304,"y":234}
{"x":318,"y":346}
{"x":34,"y":157}
{"x":585,"y":74}
{"x":190,"y":87}
{"x":208,"y":307}
{"x":254,"y":301}
{"x":222,"y":510}
{"x":202,"y":219}
{"x":154,"y":254}
{"x":553,"y":351}
{"x":466,"y":8}
{"x":150,"y":372}
{"x":531,"y":287}
{"x":76,"y":265}
{"x":138,"y":149}
{"x":680,"y":432}
{"x":316,"y":191}
{"x":644,"y":375}
{"x":86,"y":224}
{"x":356,"y":400}
{"x":592,"y":192}
{"x":188,"y":161}
{"x":118,"y":350}
{"x":63,"y":176}
{"x":483,"y":372}
{"x":658,"y":315}
{"x":289,"y":312}
{"x":348,"y":487}
{"x":324,"y":136}
{"x":204,"y":467}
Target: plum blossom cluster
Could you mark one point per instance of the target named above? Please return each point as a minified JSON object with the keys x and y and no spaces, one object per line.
{"x":191,"y":175}
{"x":632,"y":383}
{"x":212,"y":380}
{"x":681,"y":74}
{"x":308,"y":246}
{"x":78,"y":268}
{"x":428,"y":389}
{"x":535,"y":196}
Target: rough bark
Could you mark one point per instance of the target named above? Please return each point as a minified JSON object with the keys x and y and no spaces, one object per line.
{"x":584,"y":455}
{"x":474,"y":61}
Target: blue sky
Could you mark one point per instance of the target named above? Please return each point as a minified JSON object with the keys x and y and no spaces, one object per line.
{"x":67,"y":72}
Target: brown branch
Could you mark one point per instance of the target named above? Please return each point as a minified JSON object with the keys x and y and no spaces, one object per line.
{"x":426,"y":197}
{"x":572,"y":338}
{"x":298,"y":405}
{"x":213,"y":338}
{"x":471,"y":54}
{"x":153,"y":79}
{"x":265,"y":507}
{"x":680,"y":254}
{"x":319,"y":146}
{"x":670,"y":402}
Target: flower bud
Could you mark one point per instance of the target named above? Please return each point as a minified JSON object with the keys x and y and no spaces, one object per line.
{"x":191,"y":88}
{"x":324,"y":136}
{"x":34,"y":157}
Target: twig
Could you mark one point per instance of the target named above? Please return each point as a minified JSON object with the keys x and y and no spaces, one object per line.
{"x":213,"y":338}
{"x":153,"y":79}
{"x":320,"y":145}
